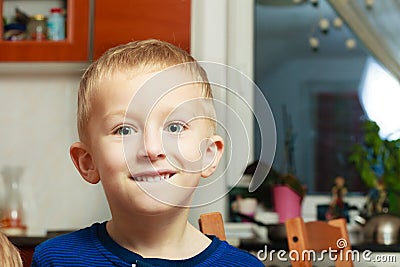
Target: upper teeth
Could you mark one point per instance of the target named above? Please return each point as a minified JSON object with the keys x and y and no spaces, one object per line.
{"x":152,"y":178}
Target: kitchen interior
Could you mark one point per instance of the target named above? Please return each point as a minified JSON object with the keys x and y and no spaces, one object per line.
{"x":301,"y":66}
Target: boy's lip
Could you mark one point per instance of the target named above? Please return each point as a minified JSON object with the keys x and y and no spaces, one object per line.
{"x":153,"y":176}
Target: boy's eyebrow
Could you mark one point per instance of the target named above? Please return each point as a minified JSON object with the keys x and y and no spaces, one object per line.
{"x":116,"y":114}
{"x":173,"y":110}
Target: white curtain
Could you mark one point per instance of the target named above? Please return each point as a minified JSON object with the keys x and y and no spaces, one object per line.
{"x":377,"y":28}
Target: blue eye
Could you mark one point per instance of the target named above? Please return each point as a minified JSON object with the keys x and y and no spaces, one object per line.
{"x":125,"y":130}
{"x":175,"y":127}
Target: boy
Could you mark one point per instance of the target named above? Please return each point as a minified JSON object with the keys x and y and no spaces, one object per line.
{"x":146,"y":129}
{"x":9,"y":254}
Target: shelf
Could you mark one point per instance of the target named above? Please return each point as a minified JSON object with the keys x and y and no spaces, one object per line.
{"x":74,"y":49}
{"x":111,"y":24}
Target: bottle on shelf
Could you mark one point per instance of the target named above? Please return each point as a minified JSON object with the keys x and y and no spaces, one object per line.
{"x":56,"y":25}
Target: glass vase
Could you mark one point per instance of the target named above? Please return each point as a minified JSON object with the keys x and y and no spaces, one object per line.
{"x":12,"y":220}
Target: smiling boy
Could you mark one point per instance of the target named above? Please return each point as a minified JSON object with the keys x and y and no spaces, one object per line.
{"x":147,"y":133}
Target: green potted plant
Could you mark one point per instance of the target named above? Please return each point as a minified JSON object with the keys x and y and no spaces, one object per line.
{"x":377,"y":161}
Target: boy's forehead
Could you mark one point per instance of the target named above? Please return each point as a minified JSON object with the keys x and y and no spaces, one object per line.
{"x":172,"y":91}
{"x":170,"y":84}
{"x":172,"y":74}
{"x":186,"y":99}
{"x":161,"y":81}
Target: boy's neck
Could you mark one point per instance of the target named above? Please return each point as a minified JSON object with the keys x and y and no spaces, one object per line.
{"x":168,"y":236}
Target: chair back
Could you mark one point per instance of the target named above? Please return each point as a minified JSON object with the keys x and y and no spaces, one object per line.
{"x":212,"y":224}
{"x":318,"y":236}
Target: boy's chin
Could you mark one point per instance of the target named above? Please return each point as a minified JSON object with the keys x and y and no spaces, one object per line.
{"x":157,"y":208}
{"x":171,"y":193}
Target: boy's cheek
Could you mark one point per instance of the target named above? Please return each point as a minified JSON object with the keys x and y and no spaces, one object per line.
{"x":186,"y":155}
{"x":110,"y":157}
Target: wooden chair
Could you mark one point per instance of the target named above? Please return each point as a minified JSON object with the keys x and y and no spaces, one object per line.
{"x":318,"y":236}
{"x":212,"y":224}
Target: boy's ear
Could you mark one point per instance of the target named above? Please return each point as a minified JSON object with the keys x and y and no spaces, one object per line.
{"x":83,"y":162}
{"x":213,"y":155}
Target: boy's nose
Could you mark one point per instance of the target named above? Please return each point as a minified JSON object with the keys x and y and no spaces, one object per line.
{"x":152,"y":147}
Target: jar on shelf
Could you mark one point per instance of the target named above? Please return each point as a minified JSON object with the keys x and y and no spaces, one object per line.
{"x":56,"y":25}
{"x":37,"y":28}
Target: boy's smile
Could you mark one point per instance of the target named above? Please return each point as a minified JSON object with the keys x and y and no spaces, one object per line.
{"x":152,"y":176}
{"x":141,"y":148}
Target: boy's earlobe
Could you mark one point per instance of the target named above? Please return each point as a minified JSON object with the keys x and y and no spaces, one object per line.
{"x":83,"y":162}
{"x":213,"y":155}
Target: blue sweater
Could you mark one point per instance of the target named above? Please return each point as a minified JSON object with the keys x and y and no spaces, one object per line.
{"x":93,"y":246}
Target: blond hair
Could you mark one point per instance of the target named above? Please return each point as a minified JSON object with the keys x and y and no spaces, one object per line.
{"x":138,"y":57}
{"x":9,"y":254}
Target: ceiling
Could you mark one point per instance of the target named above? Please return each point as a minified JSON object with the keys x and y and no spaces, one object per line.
{"x":282,"y":32}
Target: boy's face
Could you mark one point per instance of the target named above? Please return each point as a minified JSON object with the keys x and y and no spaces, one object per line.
{"x":149,"y":146}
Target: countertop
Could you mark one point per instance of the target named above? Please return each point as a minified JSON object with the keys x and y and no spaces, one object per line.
{"x":27,"y":241}
{"x":33,"y":241}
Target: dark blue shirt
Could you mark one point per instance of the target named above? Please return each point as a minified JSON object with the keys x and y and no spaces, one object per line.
{"x":93,"y":246}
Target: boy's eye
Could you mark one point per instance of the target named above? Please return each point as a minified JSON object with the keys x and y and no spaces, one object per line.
{"x":175,"y":127}
{"x":125,"y":130}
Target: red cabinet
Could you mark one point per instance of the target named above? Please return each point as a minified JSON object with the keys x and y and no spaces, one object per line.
{"x":75,"y":48}
{"x":121,"y":21}
{"x":113,"y":22}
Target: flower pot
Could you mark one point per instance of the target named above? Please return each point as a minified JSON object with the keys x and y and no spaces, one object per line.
{"x":287,"y":203}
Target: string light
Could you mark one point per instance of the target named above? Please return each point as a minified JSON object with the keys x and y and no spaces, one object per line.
{"x":369,"y":3}
{"x":351,"y":43}
{"x":337,"y":23}
{"x":314,"y":43}
{"x":323,"y":24}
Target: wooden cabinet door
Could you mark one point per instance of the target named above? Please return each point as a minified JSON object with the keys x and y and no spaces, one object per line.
{"x":121,"y":21}
{"x":74,"y":48}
